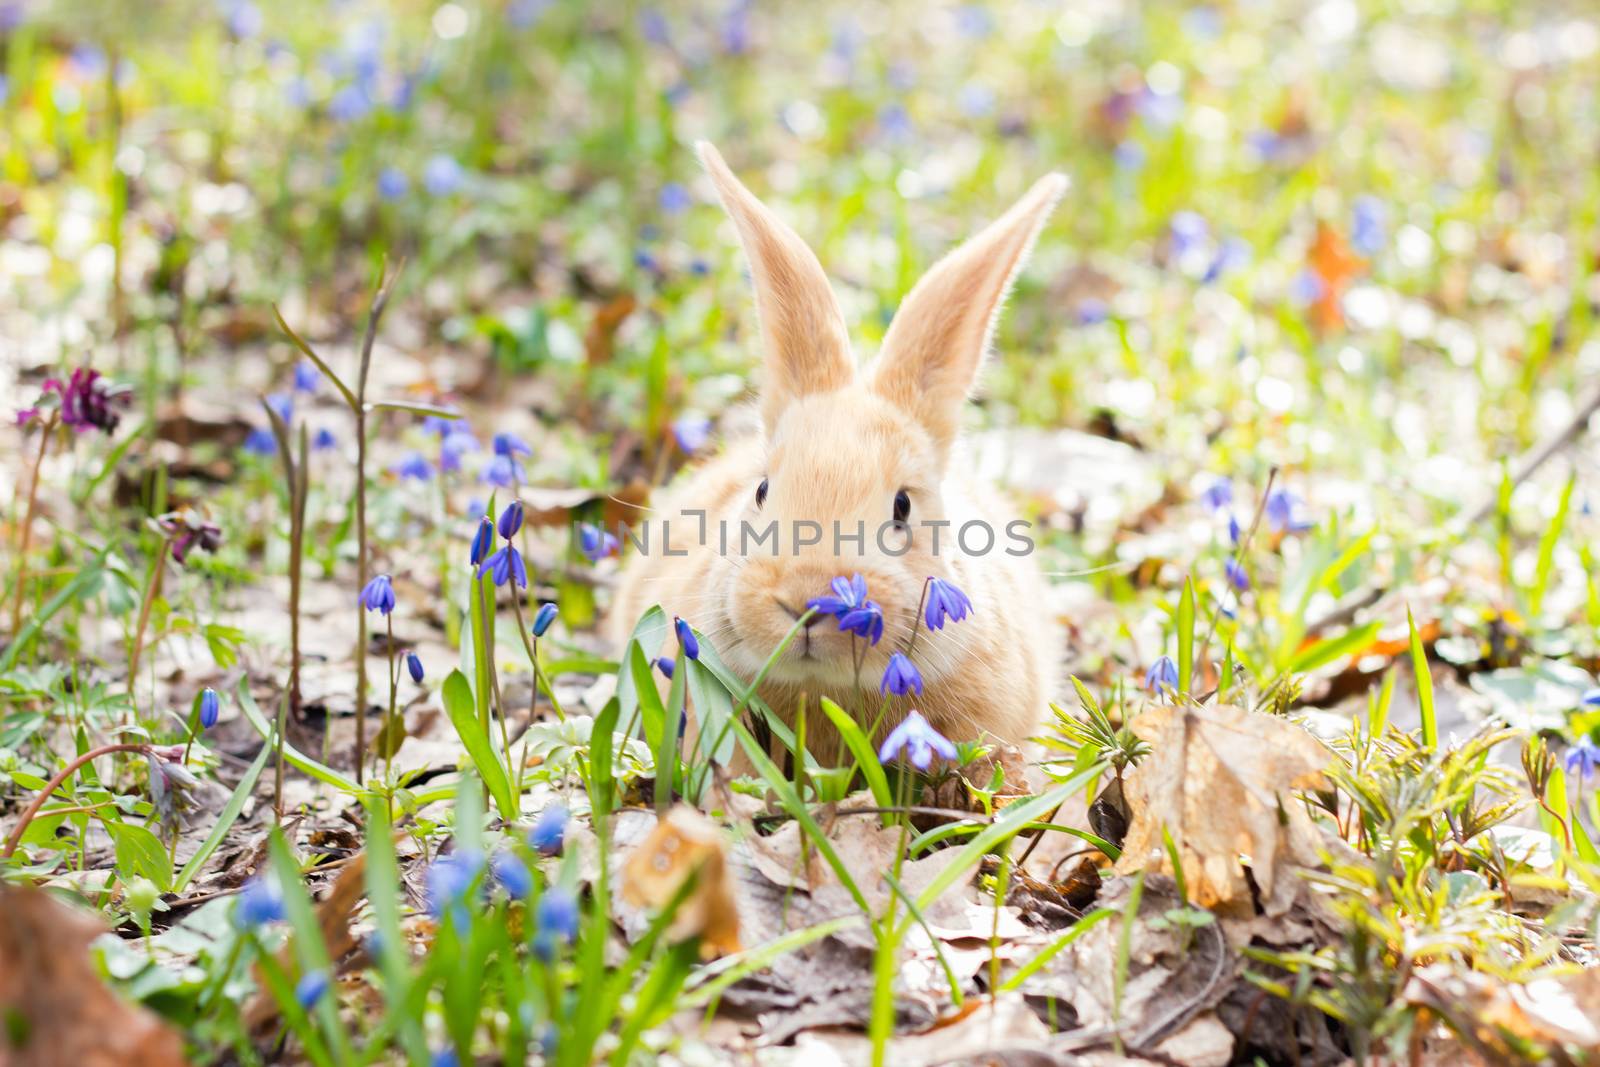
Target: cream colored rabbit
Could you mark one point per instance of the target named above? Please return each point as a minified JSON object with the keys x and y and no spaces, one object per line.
{"x":864,"y":450}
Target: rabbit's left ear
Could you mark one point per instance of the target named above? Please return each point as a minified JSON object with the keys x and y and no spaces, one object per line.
{"x":938,"y":338}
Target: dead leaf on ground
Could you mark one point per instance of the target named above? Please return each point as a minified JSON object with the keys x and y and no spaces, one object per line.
{"x":686,"y":844}
{"x":54,"y":1008}
{"x":1563,"y":1010}
{"x":1217,"y":779}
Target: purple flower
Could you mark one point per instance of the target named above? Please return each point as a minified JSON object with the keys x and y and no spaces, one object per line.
{"x":675,"y":198}
{"x":549,"y":830}
{"x":1217,"y":495}
{"x":1092,"y":311}
{"x":26,"y":415}
{"x":415,"y":466}
{"x":306,"y":376}
{"x":894,"y":123}
{"x":653,"y":27}
{"x":259,"y":902}
{"x":1231,"y":256}
{"x":414,"y":667}
{"x":1306,"y":288}
{"x":865,"y":620}
{"x":1189,"y":232}
{"x":511,"y":520}
{"x":1234,"y":533}
{"x":452,"y":446}
{"x":378,"y":595}
{"x":1238,"y":577}
{"x":349,"y":103}
{"x":1163,"y":674}
{"x":509,"y":444}
{"x":596,"y":543}
{"x":512,"y":875}
{"x":691,"y":433}
{"x":901,"y":676}
{"x":260,"y":442}
{"x":441,"y":175}
{"x":482,"y":541}
{"x":506,"y":565}
{"x":89,"y":401}
{"x":324,"y":440}
{"x":244,"y":18}
{"x":686,"y":638}
{"x":917,"y":740}
{"x":312,"y":987}
{"x":945,"y":601}
{"x":210,"y":708}
{"x":848,"y":594}
{"x":545,"y":616}
{"x":503,"y":471}
{"x":1582,"y":759}
{"x":392,"y":183}
{"x":1285,"y":513}
{"x":448,"y":881}
{"x":666,"y":665}
{"x":1368,"y":226}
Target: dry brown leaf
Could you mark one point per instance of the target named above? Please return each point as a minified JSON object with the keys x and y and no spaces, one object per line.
{"x":1214,"y":780}
{"x":686,"y":844}
{"x":1561,"y":1010}
{"x":55,"y":1009}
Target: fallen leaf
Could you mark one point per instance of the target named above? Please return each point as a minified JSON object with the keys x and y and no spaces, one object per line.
{"x":685,"y":844}
{"x":54,"y":1010}
{"x":1214,"y":780}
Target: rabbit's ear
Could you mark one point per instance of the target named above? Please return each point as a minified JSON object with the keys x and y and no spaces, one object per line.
{"x":807,"y":343}
{"x":938,"y":338}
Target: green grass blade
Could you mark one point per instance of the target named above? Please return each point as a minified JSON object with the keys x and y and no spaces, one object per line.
{"x":460,"y":707}
{"x":866,"y":759}
{"x":1329,"y":649}
{"x":225,"y":821}
{"x":1547,"y":551}
{"x":291,"y":755}
{"x":1419,"y":665}
{"x":1088,"y":921}
{"x":1186,"y":636}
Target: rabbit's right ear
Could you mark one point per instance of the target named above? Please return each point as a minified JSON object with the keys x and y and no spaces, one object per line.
{"x":807,"y":342}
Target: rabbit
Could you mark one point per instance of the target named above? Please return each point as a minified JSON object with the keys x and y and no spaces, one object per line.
{"x":871,"y":447}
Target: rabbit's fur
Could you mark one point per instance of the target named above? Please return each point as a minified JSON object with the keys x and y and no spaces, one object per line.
{"x":837,"y":446}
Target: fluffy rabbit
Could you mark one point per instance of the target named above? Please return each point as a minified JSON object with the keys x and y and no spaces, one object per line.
{"x":863,"y":448}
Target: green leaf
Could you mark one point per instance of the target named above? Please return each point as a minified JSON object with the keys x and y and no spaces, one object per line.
{"x":649,"y":633}
{"x":140,"y":853}
{"x":338,"y":383}
{"x":291,"y":755}
{"x":1332,"y":648}
{"x":462,"y":710}
{"x":83,"y":584}
{"x":225,"y":821}
{"x":713,"y":707}
{"x":856,"y":741}
{"x":1419,"y":665}
{"x":1186,"y":636}
{"x":412,"y":407}
{"x":1547,"y":550}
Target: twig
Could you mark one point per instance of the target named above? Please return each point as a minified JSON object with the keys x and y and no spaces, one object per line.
{"x":27,"y":524}
{"x":55,"y":783}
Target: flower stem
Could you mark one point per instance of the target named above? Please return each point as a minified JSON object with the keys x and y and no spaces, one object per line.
{"x":152,"y":589}
{"x":389,"y":743}
{"x":55,"y":783}
{"x":26,"y":536}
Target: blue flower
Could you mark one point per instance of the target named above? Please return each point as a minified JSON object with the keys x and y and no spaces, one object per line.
{"x":865,"y":620}
{"x":445,"y":1057}
{"x":1163,"y":674}
{"x":312,"y":987}
{"x":1368,"y":226}
{"x":1238,"y":577}
{"x":379,"y":594}
{"x":283,"y":405}
{"x":509,"y":444}
{"x":1189,"y":232}
{"x":901,"y":676}
{"x":448,"y":881}
{"x":244,"y":18}
{"x":544,"y":617}
{"x":392,"y":183}
{"x":1217,"y":495}
{"x":453,"y":446}
{"x":1092,"y":311}
{"x":549,"y":830}
{"x":306,"y":376}
{"x":1231,"y":256}
{"x":666,"y":665}
{"x":686,"y":638}
{"x":917,"y":740}
{"x":210,"y":708}
{"x":324,"y":440}
{"x":653,"y":27}
{"x":691,"y":433}
{"x":848,"y":594}
{"x":894,"y":122}
{"x":414,"y":667}
{"x":1590,"y":698}
{"x":675,"y":198}
{"x":441,"y":175}
{"x":558,"y":913}
{"x":506,"y":566}
{"x":1582,"y":759}
{"x":595,"y":543}
{"x":413,"y":465}
{"x":1285,"y":513}
{"x":1234,"y":533}
{"x":511,"y":520}
{"x":482,"y":541}
{"x":259,"y":902}
{"x":512,"y":875}
{"x":1306,"y":288}
{"x":945,"y":601}
{"x":503,"y":471}
{"x":349,"y":103}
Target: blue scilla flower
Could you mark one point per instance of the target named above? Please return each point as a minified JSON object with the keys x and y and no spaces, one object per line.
{"x":413,"y":466}
{"x":1590,"y":698}
{"x":454,"y":445}
{"x":324,"y":440}
{"x":558,"y":913}
{"x":210,"y":708}
{"x":686,"y":638}
{"x":901,"y":676}
{"x":392,"y":183}
{"x":482,"y":541}
{"x":503,"y":471}
{"x":1369,"y":219}
{"x":1238,"y":577}
{"x":444,"y":1057}
{"x":848,"y":594}
{"x":448,"y":881}
{"x":666,"y":665}
{"x":349,"y":103}
{"x":1189,"y":232}
{"x":1163,"y":674}
{"x":1582,"y":759}
{"x":283,"y":405}
{"x":1217,"y":495}
{"x":509,"y":444}
{"x":675,"y":198}
{"x":1092,"y":311}
{"x":510,"y":520}
{"x":945,"y":601}
{"x":917,"y":740}
{"x":414,"y":667}
{"x":1234,"y":532}
{"x":506,"y":566}
{"x":260,"y":442}
{"x":306,"y":377}
{"x":549,"y":830}
{"x":1285,"y":513}
{"x":512,"y":875}
{"x":595,"y":543}
{"x":312,"y":987}
{"x":1306,"y":287}
{"x":442,"y":175}
{"x":378,"y":595}
{"x":1233,"y":254}
{"x":864,"y":620}
{"x":259,"y":902}
{"x":691,"y":433}
{"x":544,"y":617}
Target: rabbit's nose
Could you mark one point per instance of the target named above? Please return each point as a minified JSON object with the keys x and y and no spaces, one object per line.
{"x":793,"y":614}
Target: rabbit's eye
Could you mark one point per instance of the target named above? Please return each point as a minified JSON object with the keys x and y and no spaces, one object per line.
{"x":761,"y":493}
{"x":902,"y":506}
